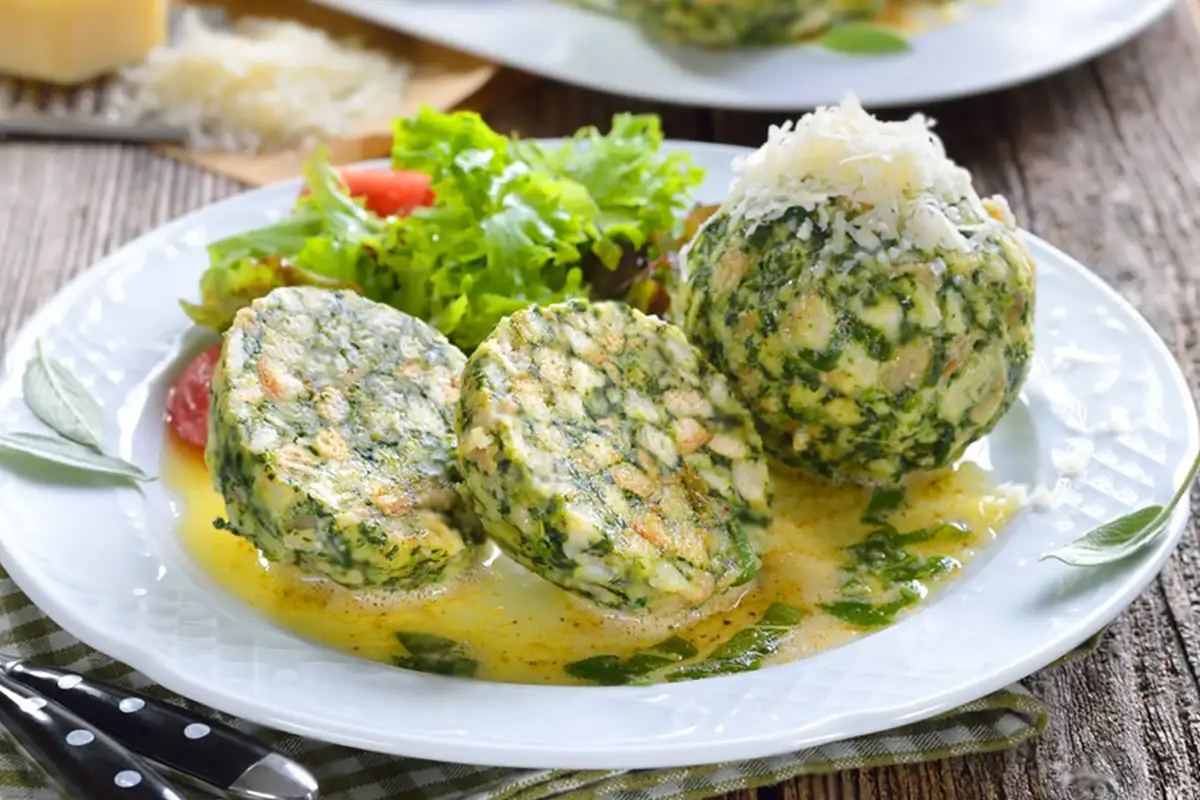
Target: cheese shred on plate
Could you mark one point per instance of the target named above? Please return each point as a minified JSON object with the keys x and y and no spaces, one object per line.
{"x":898,"y":170}
{"x":264,"y":85}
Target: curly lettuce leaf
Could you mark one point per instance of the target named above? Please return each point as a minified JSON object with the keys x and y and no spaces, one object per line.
{"x":500,"y":236}
{"x":511,"y":225}
{"x":641,"y":191}
{"x":322,"y":244}
{"x":237,"y":283}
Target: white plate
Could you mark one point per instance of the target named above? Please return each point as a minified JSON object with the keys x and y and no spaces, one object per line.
{"x":997,"y":44}
{"x":106,"y":564}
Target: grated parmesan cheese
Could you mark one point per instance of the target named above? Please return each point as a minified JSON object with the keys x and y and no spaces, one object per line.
{"x":1073,"y":460}
{"x":1041,"y":496}
{"x":895,"y":176}
{"x":264,"y":85}
{"x":1118,"y":422}
{"x":1068,"y":356}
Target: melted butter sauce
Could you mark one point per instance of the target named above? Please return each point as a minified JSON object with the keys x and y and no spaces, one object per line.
{"x":522,"y":629}
{"x":896,"y":14}
{"x":916,"y":16}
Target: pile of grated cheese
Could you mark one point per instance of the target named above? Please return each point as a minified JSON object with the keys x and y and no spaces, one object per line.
{"x":264,"y":85}
{"x":895,"y":177}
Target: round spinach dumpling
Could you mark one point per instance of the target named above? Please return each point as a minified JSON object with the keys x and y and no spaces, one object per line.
{"x":602,"y":453}
{"x":875,"y":314}
{"x":728,"y":24}
{"x":331,"y":440}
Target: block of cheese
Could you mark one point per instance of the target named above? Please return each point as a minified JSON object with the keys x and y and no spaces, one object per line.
{"x":71,"y":41}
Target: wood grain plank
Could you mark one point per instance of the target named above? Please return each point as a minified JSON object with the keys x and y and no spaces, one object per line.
{"x":553,"y":109}
{"x":63,"y":207}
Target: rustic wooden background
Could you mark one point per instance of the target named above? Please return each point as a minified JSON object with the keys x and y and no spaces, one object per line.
{"x":1103,"y":161}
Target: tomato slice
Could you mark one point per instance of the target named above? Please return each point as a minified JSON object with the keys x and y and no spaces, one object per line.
{"x":188,"y":400}
{"x":386,"y":192}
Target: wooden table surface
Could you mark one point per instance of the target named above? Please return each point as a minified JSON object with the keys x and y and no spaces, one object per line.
{"x":1103,"y":161}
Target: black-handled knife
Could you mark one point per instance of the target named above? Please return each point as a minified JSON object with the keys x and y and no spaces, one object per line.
{"x":85,"y":762}
{"x":204,"y":750}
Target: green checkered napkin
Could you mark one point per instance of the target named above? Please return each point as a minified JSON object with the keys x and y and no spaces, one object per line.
{"x":997,"y":722}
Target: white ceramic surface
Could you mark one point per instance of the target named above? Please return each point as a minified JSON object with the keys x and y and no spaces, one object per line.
{"x":997,"y":43}
{"x":106,"y":565}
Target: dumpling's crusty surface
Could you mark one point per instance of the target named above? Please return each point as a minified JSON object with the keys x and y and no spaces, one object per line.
{"x":331,"y":439}
{"x":605,"y":455}
{"x":728,"y":24}
{"x":875,"y":314}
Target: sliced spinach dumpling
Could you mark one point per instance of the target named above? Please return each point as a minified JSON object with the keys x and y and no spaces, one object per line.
{"x":875,"y":314}
{"x":728,"y":24}
{"x":605,"y":455}
{"x":331,"y":439}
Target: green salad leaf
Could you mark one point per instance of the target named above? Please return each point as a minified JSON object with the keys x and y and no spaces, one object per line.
{"x":639,"y":190}
{"x":513,"y":223}
{"x":233,"y":284}
{"x":501,"y":235}
{"x":324,"y":243}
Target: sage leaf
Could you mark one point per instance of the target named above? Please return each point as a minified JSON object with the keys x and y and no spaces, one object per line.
{"x":69,"y":454}
{"x":58,"y":399}
{"x":1123,"y":537}
{"x":862,"y":38}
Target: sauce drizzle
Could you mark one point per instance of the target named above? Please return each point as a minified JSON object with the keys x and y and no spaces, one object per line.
{"x":515,"y":627}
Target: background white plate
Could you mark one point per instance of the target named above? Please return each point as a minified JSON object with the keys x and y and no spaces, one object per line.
{"x":106,"y":565}
{"x":997,"y":44}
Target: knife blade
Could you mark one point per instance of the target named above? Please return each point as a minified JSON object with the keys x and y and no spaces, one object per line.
{"x":201,"y":749}
{"x":83,"y":761}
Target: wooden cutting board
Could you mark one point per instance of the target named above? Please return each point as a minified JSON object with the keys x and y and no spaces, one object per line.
{"x":442,"y":78}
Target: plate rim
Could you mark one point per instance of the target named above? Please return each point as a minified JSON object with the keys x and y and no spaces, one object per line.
{"x":1149,"y":12}
{"x":159,"y":668}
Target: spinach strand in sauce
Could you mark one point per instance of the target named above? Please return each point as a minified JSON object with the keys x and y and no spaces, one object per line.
{"x":882,"y":577}
{"x":746,"y":650}
{"x":435,"y":654}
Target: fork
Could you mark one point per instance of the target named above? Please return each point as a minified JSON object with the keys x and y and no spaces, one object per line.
{"x":102,"y":742}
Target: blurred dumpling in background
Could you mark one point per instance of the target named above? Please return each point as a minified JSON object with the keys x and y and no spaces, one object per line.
{"x":728,"y":24}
